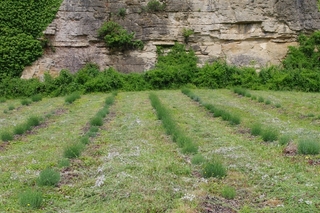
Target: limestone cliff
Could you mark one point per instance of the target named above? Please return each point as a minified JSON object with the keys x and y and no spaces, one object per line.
{"x":244,"y":32}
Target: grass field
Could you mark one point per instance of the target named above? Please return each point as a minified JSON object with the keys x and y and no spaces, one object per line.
{"x":132,"y":165}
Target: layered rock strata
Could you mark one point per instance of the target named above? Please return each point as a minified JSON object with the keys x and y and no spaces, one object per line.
{"x":247,"y":32}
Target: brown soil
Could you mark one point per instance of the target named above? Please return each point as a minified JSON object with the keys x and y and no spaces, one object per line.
{"x":219,"y":205}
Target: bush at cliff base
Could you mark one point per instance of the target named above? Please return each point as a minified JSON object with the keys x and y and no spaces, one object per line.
{"x":299,"y":71}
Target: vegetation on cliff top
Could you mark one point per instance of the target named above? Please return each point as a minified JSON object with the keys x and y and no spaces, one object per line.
{"x":21,"y":24}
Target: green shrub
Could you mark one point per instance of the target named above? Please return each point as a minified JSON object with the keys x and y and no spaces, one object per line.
{"x":117,"y":38}
{"x":11,"y":107}
{"x":5,"y":111}
{"x":72,"y":97}
{"x":48,"y":177}
{"x":85,"y":139}
{"x":96,"y":121}
{"x":25,"y":102}
{"x":186,"y":34}
{"x":33,"y":121}
{"x":277,"y":105}
{"x":234,"y":120}
{"x":31,"y":199}
{"x":6,"y":136}
{"x":308,"y":146}
{"x":64,"y":162}
{"x":94,"y":129}
{"x":36,"y":98}
{"x":228,"y":192}
{"x":253,"y":97}
{"x":260,"y":99}
{"x":73,"y":150}
{"x":284,"y":139}
{"x":189,"y":148}
{"x":109,"y":100}
{"x":20,"y":129}
{"x":197,"y":159}
{"x":214,"y":168}
{"x":267,"y":102}
{"x":269,"y":134}
{"x":256,"y":129}
{"x":155,"y":6}
{"x":2,"y":99}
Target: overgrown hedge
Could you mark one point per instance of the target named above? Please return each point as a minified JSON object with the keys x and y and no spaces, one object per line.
{"x":299,"y":71}
{"x":21,"y":24}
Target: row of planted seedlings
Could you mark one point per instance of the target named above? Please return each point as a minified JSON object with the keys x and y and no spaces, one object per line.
{"x":245,"y":93}
{"x":48,"y":177}
{"x":307,"y":145}
{"x":24,"y":102}
{"x":33,"y":120}
{"x":51,"y":177}
{"x":210,"y":168}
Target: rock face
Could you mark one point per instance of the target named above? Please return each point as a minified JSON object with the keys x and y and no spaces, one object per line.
{"x":247,"y":32}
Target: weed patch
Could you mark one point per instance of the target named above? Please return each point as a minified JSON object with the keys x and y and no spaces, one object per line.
{"x":25,"y":102}
{"x":197,"y":159}
{"x":256,"y":129}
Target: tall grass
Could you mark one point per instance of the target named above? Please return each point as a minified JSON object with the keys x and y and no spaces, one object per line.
{"x":48,"y":177}
{"x":309,"y":146}
{"x":31,"y":199}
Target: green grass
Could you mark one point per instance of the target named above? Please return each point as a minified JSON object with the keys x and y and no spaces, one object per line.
{"x":3,"y":100}
{"x":11,"y":107}
{"x":96,"y":121}
{"x":20,"y":129}
{"x":133,"y":166}
{"x":260,"y":99}
{"x":284,"y":139}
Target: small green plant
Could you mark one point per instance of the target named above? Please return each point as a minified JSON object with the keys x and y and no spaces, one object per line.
{"x":228,"y":192}
{"x":234,"y":120}
{"x":36,"y":98}
{"x":85,"y":139}
{"x":284,"y":139}
{"x":2,"y":100}
{"x":214,"y":168}
{"x":197,"y":159}
{"x":260,"y":99}
{"x":189,"y":148}
{"x":73,"y":150}
{"x":94,"y":129}
{"x":256,"y":129}
{"x":31,"y":199}
{"x":5,"y":111}
{"x":20,"y":129}
{"x":122,"y":12}
{"x":308,"y":146}
{"x":267,"y":102}
{"x":269,"y":134}
{"x":253,"y":97}
{"x":186,"y":34}
{"x":11,"y":107}
{"x":33,"y":121}
{"x":96,"y":121}
{"x":64,"y":162}
{"x":155,"y":6}
{"x":117,"y":38}
{"x":277,"y":105}
{"x":72,"y":97}
{"x":25,"y":102}
{"x":48,"y":177}
{"x":6,"y":136}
